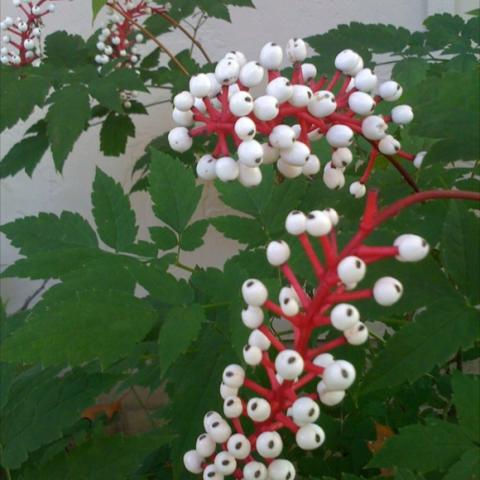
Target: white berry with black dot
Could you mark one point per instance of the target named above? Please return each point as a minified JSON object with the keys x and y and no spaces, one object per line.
{"x":211,"y":473}
{"x":265,"y":108}
{"x":241,"y":104}
{"x":340,"y":136}
{"x":219,"y":430}
{"x":193,"y":462}
{"x":296,"y":50}
{"x":252,"y":355}
{"x":250,"y":153}
{"x":254,"y":292}
{"x":205,"y":445}
{"x":356,"y":335}
{"x":322,"y":104}
{"x":227,"y":391}
{"x":245,"y":128}
{"x":333,"y":177}
{"x":346,"y":60}
{"x":301,"y":96}
{"x":200,"y":85}
{"x":329,"y":397}
{"x":258,"y":409}
{"x":387,"y":291}
{"x":278,"y":252}
{"x":288,"y":170}
{"x":239,"y":446}
{"x":270,"y":154}
{"x":344,"y":316}
{"x":411,"y":248}
{"x":296,"y":155}
{"x":269,"y":444}
{"x":255,"y":471}
{"x":342,"y":157}
{"x":339,"y":375}
{"x":252,"y":316}
{"x":318,"y":223}
{"x":358,"y":189}
{"x":351,"y":269}
{"x":281,"y":469}
{"x":365,"y":80}
{"x":310,"y":437}
{"x":251,"y":74}
{"x":389,"y":145}
{"x":225,"y":463}
{"x":271,"y":56}
{"x":227,"y":71}
{"x":289,"y":364}
{"x":361,"y":103}
{"x":296,"y":223}
{"x":305,"y":411}
{"x":280,"y":88}
{"x":312,"y":165}
{"x":374,"y":127}
{"x":179,"y":139}
{"x":206,"y":168}
{"x":390,"y":91}
{"x":402,"y":114}
{"x":233,"y":376}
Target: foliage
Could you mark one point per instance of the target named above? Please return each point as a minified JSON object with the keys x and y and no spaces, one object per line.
{"x":92,"y":332}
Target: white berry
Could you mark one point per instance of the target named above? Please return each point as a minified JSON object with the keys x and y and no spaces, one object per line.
{"x":340,"y":136}
{"x":200,"y":85}
{"x":271,"y":56}
{"x":227,"y":71}
{"x":211,"y":473}
{"x":387,"y":291}
{"x":258,"y":409}
{"x":346,"y":60}
{"x":322,"y":104}
{"x":280,"y":88}
{"x":269,"y":444}
{"x":281,"y":469}
{"x":252,"y":355}
{"x":259,"y":339}
{"x":402,"y":114}
{"x":278,"y":253}
{"x":318,"y":223}
{"x":245,"y":128}
{"x":389,"y":145}
{"x":344,"y":316}
{"x":239,"y":446}
{"x":289,"y":364}
{"x":411,"y":248}
{"x":233,"y":376}
{"x":282,"y":136}
{"x":361,"y":103}
{"x":265,"y":107}
{"x":357,"y":334}
{"x":418,"y":160}
{"x":296,"y":50}
{"x":206,"y":167}
{"x":312,"y":165}
{"x":309,"y":71}
{"x":329,"y":397}
{"x":365,"y":80}
{"x":254,"y":292}
{"x":288,"y":170}
{"x":333,"y":177}
{"x":301,"y":96}
{"x":323,"y":360}
{"x":339,"y":375}
{"x":219,"y":430}
{"x":250,"y":153}
{"x":205,"y":446}
{"x":342,"y":157}
{"x":241,"y":104}
{"x":310,"y":437}
{"x":351,"y":269}
{"x":225,"y":463}
{"x":251,"y":74}
{"x":305,"y":411}
{"x":193,"y":462}
{"x":358,"y":189}
{"x":374,"y":127}
{"x":296,"y":155}
{"x":255,"y":471}
{"x":179,"y":139}
{"x":390,"y":91}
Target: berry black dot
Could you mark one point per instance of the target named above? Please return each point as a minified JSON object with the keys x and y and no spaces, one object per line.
{"x":257,"y":64}
{"x":349,"y":312}
{"x":225,"y":462}
{"x":250,"y":283}
{"x":229,"y":374}
{"x":292,"y":360}
{"x":317,"y":438}
{"x":238,"y":445}
{"x":230,"y":403}
{"x":257,"y":473}
{"x":309,"y":94}
{"x":424,"y":243}
{"x":286,"y":301}
{"x":247,"y":348}
{"x":289,"y":476}
{"x":251,"y":132}
{"x":209,"y":414}
{"x":202,"y":437}
{"x":258,"y":160}
{"x":254,"y":406}
{"x":248,"y":99}
{"x":344,"y":373}
{"x":311,"y":412}
{"x":271,"y":444}
{"x":332,"y":100}
{"x":273,"y":44}
{"x":215,"y":424}
{"x":211,"y":474}
{"x":288,"y":83}
{"x":311,"y":216}
{"x":296,"y":212}
{"x":397,"y":288}
{"x":358,"y":264}
{"x":210,"y":160}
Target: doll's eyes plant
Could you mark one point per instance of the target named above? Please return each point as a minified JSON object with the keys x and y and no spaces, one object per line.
{"x":280,"y":126}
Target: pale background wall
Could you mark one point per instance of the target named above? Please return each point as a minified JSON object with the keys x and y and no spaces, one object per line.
{"x":272,"y":20}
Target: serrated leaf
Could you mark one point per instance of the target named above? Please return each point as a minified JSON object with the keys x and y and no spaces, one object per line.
{"x":90,"y":325}
{"x":65,"y":50}
{"x":460,"y":252}
{"x":245,"y":230}
{"x":164,"y":237}
{"x":180,"y":328}
{"x":114,"y":217}
{"x":54,"y":263}
{"x":63,"y":127}
{"x":466,"y":397}
{"x":410,"y":71}
{"x":41,"y":404}
{"x":162,"y":286}
{"x":192,"y":236}
{"x":114,"y":457}
{"x":431,"y":339}
{"x":20,"y":95}
{"x":24,"y":155}
{"x":423,"y":447}
{"x":97,"y":5}
{"x":467,"y":468}
{"x":195,"y":394}
{"x":48,"y":232}
{"x":174,"y":193}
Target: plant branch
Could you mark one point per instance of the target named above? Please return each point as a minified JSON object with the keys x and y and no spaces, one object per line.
{"x":144,"y":407}
{"x":176,"y":24}
{"x":34,"y":295}
{"x":151,"y":36}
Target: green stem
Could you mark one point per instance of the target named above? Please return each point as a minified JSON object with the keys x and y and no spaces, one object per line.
{"x":8,"y":476}
{"x":184,"y":267}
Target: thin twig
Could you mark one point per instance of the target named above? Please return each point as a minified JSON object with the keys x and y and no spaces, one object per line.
{"x":151,"y":36}
{"x":34,"y":295}
{"x":176,"y":24}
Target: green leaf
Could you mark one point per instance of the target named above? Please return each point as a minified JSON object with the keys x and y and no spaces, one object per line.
{"x":41,"y":404}
{"x":467,"y":468}
{"x":65,"y":50}
{"x":97,"y":5}
{"x":54,"y":263}
{"x":114,"y":457}
{"x":113,"y":214}
{"x":460,"y":252}
{"x":48,"y":232}
{"x":195,"y":394}
{"x":410,"y":71}
{"x":24,"y":155}
{"x":20,"y":95}
{"x":67,"y":118}
{"x":466,"y":397}
{"x":174,"y":194}
{"x":162,"y":286}
{"x":192,"y":236}
{"x":424,"y":448}
{"x":431,"y":339}
{"x":164,"y":238}
{"x":180,"y":328}
{"x":90,"y":325}
{"x":245,"y":230}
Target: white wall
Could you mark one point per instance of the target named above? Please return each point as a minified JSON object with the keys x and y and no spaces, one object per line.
{"x":276,"y":20}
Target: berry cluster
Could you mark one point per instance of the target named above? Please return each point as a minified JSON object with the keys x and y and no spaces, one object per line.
{"x":21,"y":37}
{"x":289,"y":116}
{"x":119,"y":37}
{"x":252,"y":451}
